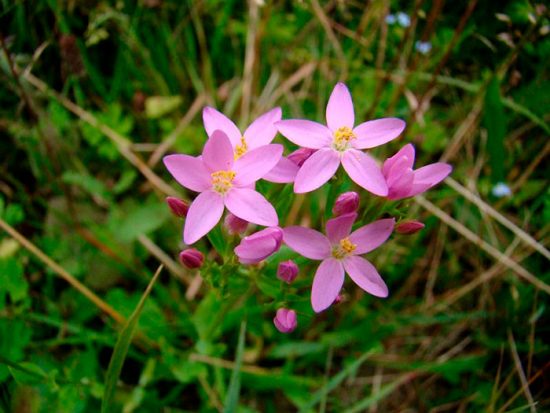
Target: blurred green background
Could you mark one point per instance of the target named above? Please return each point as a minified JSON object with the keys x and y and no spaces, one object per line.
{"x":93,"y":93}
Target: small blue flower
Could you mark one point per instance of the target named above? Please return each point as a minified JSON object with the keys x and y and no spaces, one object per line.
{"x":403,"y":19}
{"x":423,"y":47}
{"x":390,"y":19}
{"x":501,"y":190}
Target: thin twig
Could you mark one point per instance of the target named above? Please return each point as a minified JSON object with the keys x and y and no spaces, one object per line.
{"x":60,"y":271}
{"x":481,"y":243}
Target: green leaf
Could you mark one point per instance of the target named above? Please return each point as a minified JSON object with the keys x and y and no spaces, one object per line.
{"x":496,"y":129}
{"x":121,"y":349}
{"x":158,"y":106}
{"x":232,"y":397}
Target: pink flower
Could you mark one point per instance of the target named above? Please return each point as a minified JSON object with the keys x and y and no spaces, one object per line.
{"x":223,"y":181}
{"x":339,"y":142}
{"x":287,"y":271}
{"x":191,"y":258}
{"x":234,"y":224}
{"x":260,"y":245}
{"x":409,"y":227}
{"x":346,"y":203}
{"x":178,"y":206}
{"x":285,"y":320}
{"x":260,"y":133}
{"x":340,"y":252}
{"x":403,"y":182}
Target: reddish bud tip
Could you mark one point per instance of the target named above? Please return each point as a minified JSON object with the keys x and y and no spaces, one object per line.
{"x":234,"y":224}
{"x":346,"y":203}
{"x":287,"y":271}
{"x":178,"y":207}
{"x":409,"y":227}
{"x":191,"y":258}
{"x":285,"y":320}
{"x":301,"y":155}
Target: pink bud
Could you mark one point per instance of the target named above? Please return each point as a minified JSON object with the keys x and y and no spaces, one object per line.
{"x":301,"y":155}
{"x":287,"y":271}
{"x":260,"y":245}
{"x":285,"y":320}
{"x":346,"y":203}
{"x":191,"y":258}
{"x":409,"y":227}
{"x":178,"y":206}
{"x":234,"y":224}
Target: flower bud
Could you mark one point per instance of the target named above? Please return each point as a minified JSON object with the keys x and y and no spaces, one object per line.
{"x":178,"y":207}
{"x":285,"y":320}
{"x":409,"y":227}
{"x":234,"y":224}
{"x":260,"y":245}
{"x":301,"y":155}
{"x":191,"y":258}
{"x":287,"y":271}
{"x":346,"y":203}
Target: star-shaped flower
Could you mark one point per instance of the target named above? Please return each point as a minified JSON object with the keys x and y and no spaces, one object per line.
{"x":224,"y":182}
{"x":340,"y":142}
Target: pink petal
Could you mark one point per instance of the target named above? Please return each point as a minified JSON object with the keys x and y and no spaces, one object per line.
{"x":188,"y":171}
{"x":371,"y":236}
{"x":432,"y":174}
{"x":256,"y":163}
{"x":318,"y":169}
{"x":305,"y":133}
{"x":327,"y":283}
{"x":377,"y":132}
{"x":204,"y":213}
{"x":365,"y":276}
{"x":406,"y":151}
{"x":340,"y":227}
{"x":251,"y":206}
{"x":217,"y":154}
{"x":258,"y":246}
{"x":307,"y":242}
{"x":262,"y":130}
{"x":400,"y":186}
{"x":284,"y":172}
{"x":214,"y":120}
{"x":340,"y":108}
{"x":398,"y":169}
{"x":364,"y":171}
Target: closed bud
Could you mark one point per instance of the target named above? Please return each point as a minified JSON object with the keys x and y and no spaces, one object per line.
{"x":409,"y":227}
{"x":287,"y":271}
{"x":234,"y":224}
{"x":259,"y":246}
{"x":346,"y":203}
{"x":301,"y":155}
{"x":178,"y":207}
{"x":191,"y":258}
{"x":285,"y":320}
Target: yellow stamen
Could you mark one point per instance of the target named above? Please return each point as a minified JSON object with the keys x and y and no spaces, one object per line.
{"x":345,"y":248}
{"x":241,"y":149}
{"x":222,"y":181}
{"x":342,"y":138}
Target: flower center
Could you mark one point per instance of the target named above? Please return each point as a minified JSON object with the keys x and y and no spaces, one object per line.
{"x":345,"y":248}
{"x":222,"y":181}
{"x":342,"y":138}
{"x":240,"y":149}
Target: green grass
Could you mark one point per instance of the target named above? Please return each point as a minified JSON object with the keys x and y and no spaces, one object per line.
{"x":88,"y":94}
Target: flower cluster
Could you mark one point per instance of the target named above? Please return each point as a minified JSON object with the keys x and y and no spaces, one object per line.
{"x":231,"y":163}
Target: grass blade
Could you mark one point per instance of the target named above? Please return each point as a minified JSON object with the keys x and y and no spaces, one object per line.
{"x":335,"y":381}
{"x":232,"y":397}
{"x":121,"y":349}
